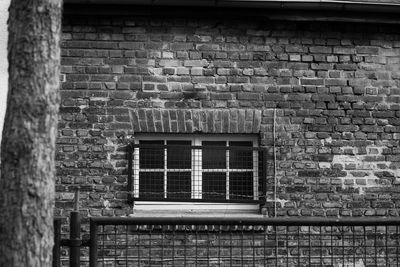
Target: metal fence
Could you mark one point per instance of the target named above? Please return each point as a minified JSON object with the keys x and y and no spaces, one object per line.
{"x":205,"y":241}
{"x":243,"y":242}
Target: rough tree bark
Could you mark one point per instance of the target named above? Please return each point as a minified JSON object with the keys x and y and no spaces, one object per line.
{"x":30,"y":129}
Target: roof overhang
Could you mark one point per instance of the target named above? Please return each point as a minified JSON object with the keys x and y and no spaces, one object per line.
{"x":339,"y":5}
{"x":365,"y":11}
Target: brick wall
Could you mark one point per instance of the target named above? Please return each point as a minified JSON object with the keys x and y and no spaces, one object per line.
{"x":335,"y":88}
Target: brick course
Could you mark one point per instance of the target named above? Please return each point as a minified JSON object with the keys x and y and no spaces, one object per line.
{"x":335,"y":91}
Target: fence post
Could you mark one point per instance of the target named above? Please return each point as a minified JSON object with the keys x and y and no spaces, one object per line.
{"x":57,"y":243}
{"x":93,"y":244}
{"x":75,"y":234}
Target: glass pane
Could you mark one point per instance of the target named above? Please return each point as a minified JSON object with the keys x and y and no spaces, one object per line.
{"x":179,"y":157}
{"x":214,"y":158}
{"x":241,"y":185}
{"x":179,"y":185}
{"x":151,"y":157}
{"x":214,"y":185}
{"x":240,"y":159}
{"x":151,"y":185}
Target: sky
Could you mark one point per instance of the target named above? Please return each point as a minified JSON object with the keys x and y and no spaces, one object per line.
{"x":3,"y":60}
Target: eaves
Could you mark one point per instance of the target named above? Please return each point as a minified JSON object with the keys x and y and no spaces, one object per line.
{"x":384,"y":11}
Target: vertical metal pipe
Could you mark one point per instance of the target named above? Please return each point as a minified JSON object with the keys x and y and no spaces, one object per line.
{"x":75,"y":234}
{"x":130,"y":178}
{"x":264,"y":169}
{"x":275,"y":179}
{"x":57,"y":243}
{"x":93,"y":244}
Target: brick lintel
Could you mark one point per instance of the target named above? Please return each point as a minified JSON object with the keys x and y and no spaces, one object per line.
{"x":240,"y":121}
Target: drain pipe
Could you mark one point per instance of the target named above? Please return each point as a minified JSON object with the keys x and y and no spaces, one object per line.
{"x":275,"y":179}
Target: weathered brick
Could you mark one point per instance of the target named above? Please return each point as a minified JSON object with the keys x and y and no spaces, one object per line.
{"x":344,"y":50}
{"x":335,"y":82}
{"x":249,"y":96}
{"x":367,"y":50}
{"x":320,"y":49}
{"x":206,"y":80}
{"x":195,"y":63}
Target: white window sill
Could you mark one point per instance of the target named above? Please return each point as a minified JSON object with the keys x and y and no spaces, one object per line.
{"x":195,"y":209}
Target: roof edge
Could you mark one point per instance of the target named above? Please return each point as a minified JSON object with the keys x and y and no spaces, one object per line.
{"x":338,"y":5}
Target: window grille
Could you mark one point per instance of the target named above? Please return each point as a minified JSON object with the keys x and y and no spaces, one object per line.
{"x":215,"y":171}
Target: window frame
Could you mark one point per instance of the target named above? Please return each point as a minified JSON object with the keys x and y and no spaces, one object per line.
{"x":196,"y":141}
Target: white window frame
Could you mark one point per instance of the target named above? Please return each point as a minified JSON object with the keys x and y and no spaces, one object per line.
{"x":196,"y":171}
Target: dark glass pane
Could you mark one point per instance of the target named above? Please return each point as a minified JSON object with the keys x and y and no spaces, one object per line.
{"x":151,"y":185}
{"x":241,"y":185}
{"x":213,"y":158}
{"x":240,"y":159}
{"x":179,"y":185}
{"x":214,"y":185}
{"x":179,"y":157}
{"x":151,"y":157}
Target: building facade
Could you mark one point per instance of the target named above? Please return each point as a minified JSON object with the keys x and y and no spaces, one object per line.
{"x":316,"y":91}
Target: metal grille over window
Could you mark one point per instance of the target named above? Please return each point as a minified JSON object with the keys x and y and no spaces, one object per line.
{"x":177,"y":170}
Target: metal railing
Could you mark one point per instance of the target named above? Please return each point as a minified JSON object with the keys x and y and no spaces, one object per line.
{"x":229,"y":241}
{"x":244,"y":242}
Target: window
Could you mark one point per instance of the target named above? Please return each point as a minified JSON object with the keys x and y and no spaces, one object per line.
{"x":201,"y":168}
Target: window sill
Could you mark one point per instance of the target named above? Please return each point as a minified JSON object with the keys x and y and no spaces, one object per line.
{"x":185,"y":214}
{"x":195,"y":209}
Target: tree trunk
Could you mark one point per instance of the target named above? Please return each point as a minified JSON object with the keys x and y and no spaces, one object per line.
{"x":29,"y":134}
